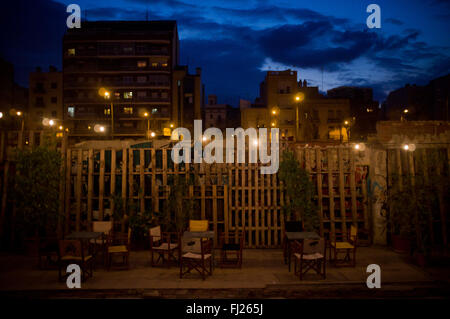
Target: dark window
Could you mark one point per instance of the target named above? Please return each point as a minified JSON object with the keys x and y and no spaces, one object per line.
{"x":54,"y":85}
{"x":54,"y":113}
{"x":54,"y":99}
{"x":39,"y":101}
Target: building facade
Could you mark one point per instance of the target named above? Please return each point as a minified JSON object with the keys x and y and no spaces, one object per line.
{"x":122,"y":77}
{"x":45,"y":99}
{"x":420,"y":103}
{"x":298,"y":110}
{"x":364,"y":111}
{"x":221,"y":116}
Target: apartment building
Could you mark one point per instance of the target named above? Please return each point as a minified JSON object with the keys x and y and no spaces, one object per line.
{"x":120,"y":76}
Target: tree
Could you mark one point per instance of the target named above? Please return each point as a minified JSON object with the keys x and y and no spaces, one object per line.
{"x":38,"y":173}
{"x":178,"y":208}
{"x":299,"y":190}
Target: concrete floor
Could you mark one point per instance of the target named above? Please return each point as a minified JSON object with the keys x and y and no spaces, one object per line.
{"x":261,"y":268}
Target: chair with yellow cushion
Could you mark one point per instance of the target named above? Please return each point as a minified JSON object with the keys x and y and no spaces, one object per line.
{"x":119,"y":246}
{"x":73,"y":252}
{"x":346,"y":247}
{"x":198,"y":225}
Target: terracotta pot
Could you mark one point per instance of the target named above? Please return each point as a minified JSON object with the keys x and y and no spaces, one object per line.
{"x":400,"y":244}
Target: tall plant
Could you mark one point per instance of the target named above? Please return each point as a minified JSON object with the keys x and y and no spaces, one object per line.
{"x":178,"y":208}
{"x":37,"y":189}
{"x":299,"y":190}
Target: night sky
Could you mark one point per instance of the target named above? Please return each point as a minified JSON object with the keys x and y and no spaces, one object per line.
{"x":236,"y":41}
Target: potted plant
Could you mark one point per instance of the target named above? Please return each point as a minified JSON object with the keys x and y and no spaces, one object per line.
{"x":299,"y":204}
{"x":140,"y":223}
{"x":36,"y":191}
{"x":401,"y":213}
{"x":179,"y":207}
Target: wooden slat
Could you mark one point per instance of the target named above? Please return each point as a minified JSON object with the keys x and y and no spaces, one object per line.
{"x":112,"y":180}
{"x":342,"y":189}
{"x":142,"y":179}
{"x":319,"y":188}
{"x":124,"y":183}
{"x":68,"y":189}
{"x":101,"y":184}
{"x":331,"y":193}
{"x":90,"y":186}
{"x":78,"y":190}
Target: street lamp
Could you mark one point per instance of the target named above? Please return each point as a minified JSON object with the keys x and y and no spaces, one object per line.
{"x":107,"y":95}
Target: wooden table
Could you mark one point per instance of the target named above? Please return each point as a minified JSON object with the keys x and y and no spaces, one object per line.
{"x":86,"y":237}
{"x":300,"y":236}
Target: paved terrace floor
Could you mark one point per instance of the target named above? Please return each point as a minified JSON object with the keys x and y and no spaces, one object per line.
{"x":263,"y":274}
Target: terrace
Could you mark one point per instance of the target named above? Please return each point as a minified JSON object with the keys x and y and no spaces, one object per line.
{"x":263,"y":274}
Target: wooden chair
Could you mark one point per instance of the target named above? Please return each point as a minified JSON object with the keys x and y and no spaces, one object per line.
{"x":233,"y":242}
{"x":119,"y":245}
{"x":48,"y":251}
{"x":290,"y":226}
{"x":162,"y":244}
{"x":102,"y":243}
{"x":196,"y":254}
{"x":347,"y":247}
{"x":73,"y":252}
{"x":311,"y":254}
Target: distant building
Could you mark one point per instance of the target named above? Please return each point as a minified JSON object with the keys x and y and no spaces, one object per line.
{"x":364,"y":111}
{"x":45,"y":98}
{"x":186,"y":97}
{"x":13,"y":98}
{"x":414,"y":102}
{"x":313,"y":118}
{"x":221,"y":116}
{"x":137,"y":63}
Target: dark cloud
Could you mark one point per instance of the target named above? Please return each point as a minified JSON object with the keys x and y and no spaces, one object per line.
{"x":393,"y":21}
{"x":231,"y":41}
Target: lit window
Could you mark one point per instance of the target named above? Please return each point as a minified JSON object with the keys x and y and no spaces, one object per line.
{"x":71,"y":111}
{"x":128,"y":95}
{"x":154,"y":110}
{"x":117,"y":95}
{"x":128,"y":110}
{"x":71,"y":52}
{"x":155,"y":64}
{"x":107,"y":111}
{"x":142,"y":64}
{"x":164,"y":65}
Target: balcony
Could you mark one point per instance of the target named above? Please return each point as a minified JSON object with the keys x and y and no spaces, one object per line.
{"x":115,"y":84}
